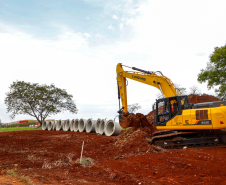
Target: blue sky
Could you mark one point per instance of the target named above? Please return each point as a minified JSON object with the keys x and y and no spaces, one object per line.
{"x":77,"y":44}
{"x":43,"y":17}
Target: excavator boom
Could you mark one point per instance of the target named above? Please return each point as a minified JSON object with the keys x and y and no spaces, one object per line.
{"x":164,"y":84}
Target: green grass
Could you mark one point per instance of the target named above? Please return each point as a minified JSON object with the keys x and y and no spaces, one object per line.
{"x":19,"y":129}
{"x":11,"y":173}
{"x":86,"y":162}
{"x":126,"y":128}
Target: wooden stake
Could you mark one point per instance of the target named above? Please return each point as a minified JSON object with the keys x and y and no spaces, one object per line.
{"x":81,"y":151}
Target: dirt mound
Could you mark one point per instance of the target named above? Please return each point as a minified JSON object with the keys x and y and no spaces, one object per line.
{"x":136,"y":140}
{"x":192,"y":98}
{"x":151,"y":117}
{"x":138,"y":121}
{"x":134,"y":120}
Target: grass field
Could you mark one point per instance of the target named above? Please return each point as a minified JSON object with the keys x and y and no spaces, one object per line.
{"x":19,"y":129}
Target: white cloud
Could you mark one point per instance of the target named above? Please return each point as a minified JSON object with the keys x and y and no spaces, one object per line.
{"x":68,"y":62}
{"x":110,"y":27}
{"x":120,"y":26}
{"x":87,"y":35}
{"x":115,"y":17}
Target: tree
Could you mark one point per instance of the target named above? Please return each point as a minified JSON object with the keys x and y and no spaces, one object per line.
{"x":194,"y":90}
{"x":181,"y":89}
{"x":215,"y":72}
{"x":37,"y":100}
{"x":133,"y":107}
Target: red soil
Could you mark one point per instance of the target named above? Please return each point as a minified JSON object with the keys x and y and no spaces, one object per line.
{"x":125,"y":159}
{"x":51,"y":157}
{"x":202,"y":98}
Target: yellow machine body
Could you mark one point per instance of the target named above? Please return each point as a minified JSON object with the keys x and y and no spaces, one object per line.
{"x":190,"y":119}
{"x":215,"y":119}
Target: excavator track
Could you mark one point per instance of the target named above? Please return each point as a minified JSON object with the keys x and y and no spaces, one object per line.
{"x":179,"y":139}
{"x":218,"y":145}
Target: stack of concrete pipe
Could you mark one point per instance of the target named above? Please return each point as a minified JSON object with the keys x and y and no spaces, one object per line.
{"x":99,"y":126}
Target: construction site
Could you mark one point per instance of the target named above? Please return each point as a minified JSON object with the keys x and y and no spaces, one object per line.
{"x":54,"y":157}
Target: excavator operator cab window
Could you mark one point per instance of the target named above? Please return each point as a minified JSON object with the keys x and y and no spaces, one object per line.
{"x":168,"y":108}
{"x":184,"y":102}
{"x":163,"y":111}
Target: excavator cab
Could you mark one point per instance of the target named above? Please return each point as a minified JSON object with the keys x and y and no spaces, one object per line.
{"x":168,"y":108}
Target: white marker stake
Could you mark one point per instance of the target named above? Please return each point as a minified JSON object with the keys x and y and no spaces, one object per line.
{"x":82,"y":151}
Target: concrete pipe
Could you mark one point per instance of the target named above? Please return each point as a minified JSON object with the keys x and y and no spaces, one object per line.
{"x":90,"y":125}
{"x":66,"y":125}
{"x":112,"y":128}
{"x":45,"y":125}
{"x":75,"y":126}
{"x":102,"y":126}
{"x":97,"y":126}
{"x":50,"y":125}
{"x":54,"y":125}
{"x":59,"y":125}
{"x":82,"y":125}
{"x":72,"y":125}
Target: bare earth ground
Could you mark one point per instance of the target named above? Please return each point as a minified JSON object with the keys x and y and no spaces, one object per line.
{"x":49,"y":157}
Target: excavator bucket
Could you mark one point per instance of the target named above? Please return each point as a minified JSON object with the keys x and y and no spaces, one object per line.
{"x":125,"y":122}
{"x":134,"y":120}
{"x":137,"y":121}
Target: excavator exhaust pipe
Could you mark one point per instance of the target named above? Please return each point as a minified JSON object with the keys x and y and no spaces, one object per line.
{"x":90,"y":125}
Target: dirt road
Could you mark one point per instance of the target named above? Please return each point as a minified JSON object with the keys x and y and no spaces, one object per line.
{"x":49,"y":157}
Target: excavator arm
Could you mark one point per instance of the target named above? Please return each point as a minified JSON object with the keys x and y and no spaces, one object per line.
{"x":161,"y":82}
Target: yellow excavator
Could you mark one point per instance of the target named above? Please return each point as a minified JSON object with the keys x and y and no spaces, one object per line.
{"x":177,"y":121}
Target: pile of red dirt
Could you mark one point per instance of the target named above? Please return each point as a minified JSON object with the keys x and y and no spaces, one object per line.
{"x":135,"y":139}
{"x":151,"y":117}
{"x":192,"y":98}
{"x":136,"y":121}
